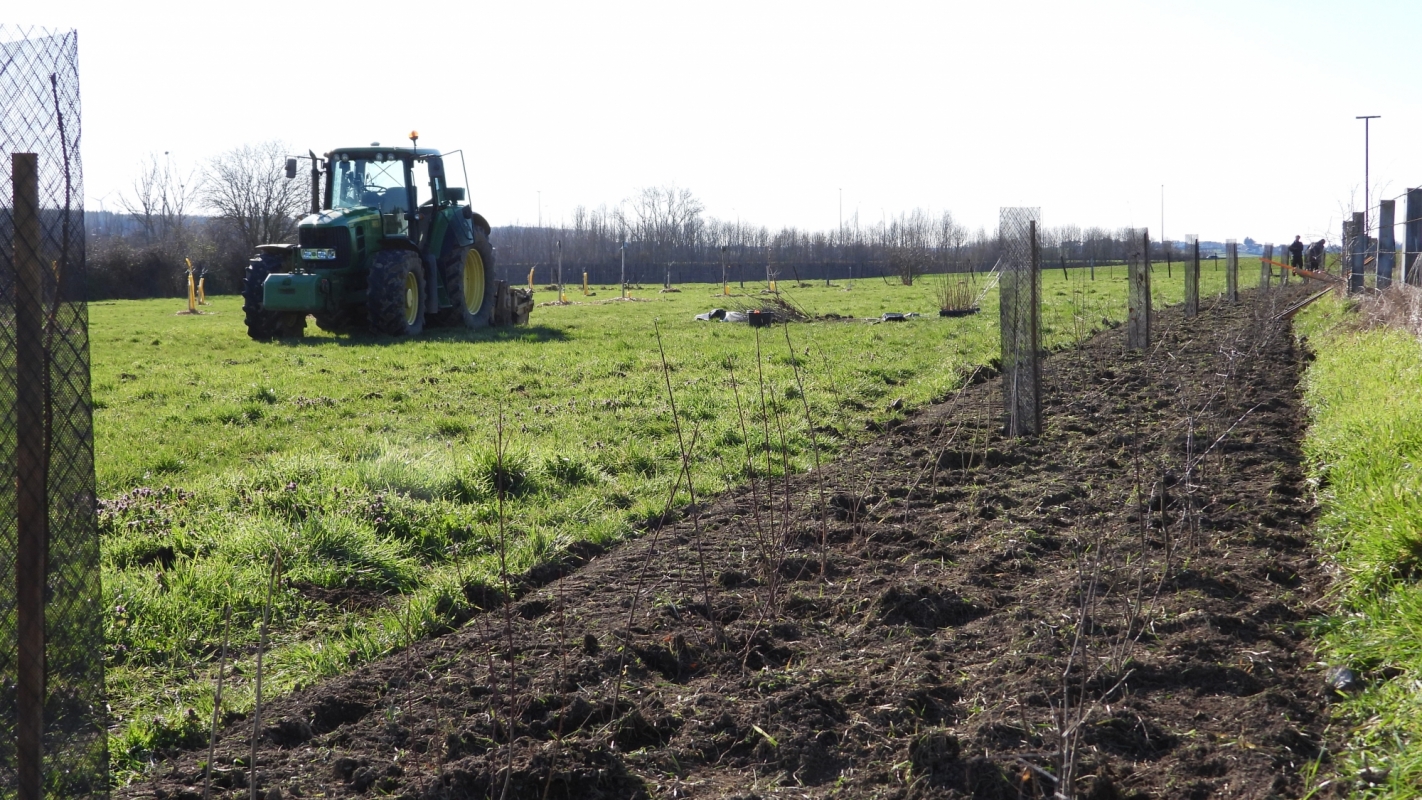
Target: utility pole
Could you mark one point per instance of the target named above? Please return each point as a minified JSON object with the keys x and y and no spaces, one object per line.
{"x":1366,"y":121}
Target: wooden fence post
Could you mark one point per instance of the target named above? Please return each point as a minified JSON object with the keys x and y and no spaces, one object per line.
{"x":1138,"y":305}
{"x":32,"y":476}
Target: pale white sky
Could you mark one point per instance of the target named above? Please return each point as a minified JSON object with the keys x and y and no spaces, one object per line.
{"x":766,"y":110}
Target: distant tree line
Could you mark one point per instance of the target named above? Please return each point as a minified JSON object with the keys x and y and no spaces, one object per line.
{"x":217,"y":213}
{"x":663,"y":233}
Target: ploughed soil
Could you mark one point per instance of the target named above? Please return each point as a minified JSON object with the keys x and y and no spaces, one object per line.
{"x":1112,"y":609}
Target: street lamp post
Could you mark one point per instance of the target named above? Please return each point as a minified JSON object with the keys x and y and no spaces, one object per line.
{"x":1366,"y":120}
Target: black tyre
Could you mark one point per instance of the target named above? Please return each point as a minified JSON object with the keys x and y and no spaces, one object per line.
{"x":395,"y":295}
{"x":291,"y":324}
{"x":261,"y":325}
{"x":343,"y":319}
{"x":468,"y":278}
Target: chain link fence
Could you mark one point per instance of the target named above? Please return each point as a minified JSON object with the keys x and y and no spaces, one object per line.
{"x":52,"y":712}
{"x":1020,"y":291}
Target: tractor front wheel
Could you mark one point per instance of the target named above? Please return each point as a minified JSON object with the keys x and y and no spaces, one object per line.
{"x":469,"y":280}
{"x":264,"y":325}
{"x":395,"y":294}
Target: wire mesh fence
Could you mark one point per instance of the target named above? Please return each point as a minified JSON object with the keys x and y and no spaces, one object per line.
{"x":1020,"y":291}
{"x":52,"y":731}
{"x":1138,"y":310}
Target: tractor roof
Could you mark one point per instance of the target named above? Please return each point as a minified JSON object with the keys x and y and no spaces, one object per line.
{"x":399,"y":152}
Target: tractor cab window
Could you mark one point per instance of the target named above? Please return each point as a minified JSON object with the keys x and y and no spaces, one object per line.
{"x":377,"y":183}
{"x":420,"y":179}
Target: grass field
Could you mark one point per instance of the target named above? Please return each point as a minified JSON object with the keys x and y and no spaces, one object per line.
{"x":1365,"y":445}
{"x":369,"y":464}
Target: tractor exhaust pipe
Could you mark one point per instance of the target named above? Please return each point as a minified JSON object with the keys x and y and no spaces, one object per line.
{"x":315,"y":183}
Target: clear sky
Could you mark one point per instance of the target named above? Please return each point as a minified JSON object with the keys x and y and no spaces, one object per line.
{"x":767,"y":110}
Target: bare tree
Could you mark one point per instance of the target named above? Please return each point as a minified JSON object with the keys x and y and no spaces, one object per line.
{"x":248,"y":189}
{"x":161,"y":201}
{"x":664,"y":220}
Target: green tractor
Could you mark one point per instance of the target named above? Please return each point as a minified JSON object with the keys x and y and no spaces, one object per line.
{"x":389,"y":246}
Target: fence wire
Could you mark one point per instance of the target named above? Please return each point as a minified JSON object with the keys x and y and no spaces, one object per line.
{"x":52,"y":712}
{"x":1020,"y":293}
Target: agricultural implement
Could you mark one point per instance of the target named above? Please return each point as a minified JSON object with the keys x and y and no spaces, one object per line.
{"x":1304,"y":273}
{"x":389,"y":245}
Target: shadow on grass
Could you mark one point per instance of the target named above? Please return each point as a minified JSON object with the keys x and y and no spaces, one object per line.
{"x":533,"y":334}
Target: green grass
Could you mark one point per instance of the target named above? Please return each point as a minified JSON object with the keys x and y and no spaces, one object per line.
{"x":369,"y":464}
{"x":1364,"y":391}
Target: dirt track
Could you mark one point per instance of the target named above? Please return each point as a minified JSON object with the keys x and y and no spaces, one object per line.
{"x":1118,"y":600}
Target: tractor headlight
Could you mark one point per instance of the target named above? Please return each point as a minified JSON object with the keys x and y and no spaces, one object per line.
{"x":318,"y":254}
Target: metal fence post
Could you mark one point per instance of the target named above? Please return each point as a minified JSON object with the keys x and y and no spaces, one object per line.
{"x":1138,"y":305}
{"x":1387,"y":243}
{"x":1232,"y":270}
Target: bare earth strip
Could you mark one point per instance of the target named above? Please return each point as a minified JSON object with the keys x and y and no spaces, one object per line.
{"x":1114,"y":607}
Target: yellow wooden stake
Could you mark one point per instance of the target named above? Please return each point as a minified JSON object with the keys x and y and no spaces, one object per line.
{"x":202,"y":295}
{"x":530,"y":278}
{"x":726,"y":289}
{"x":192,"y":289}
{"x":585,"y":284}
{"x":772,"y":286}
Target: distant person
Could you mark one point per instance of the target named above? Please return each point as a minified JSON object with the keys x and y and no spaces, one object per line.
{"x":1315,"y":255}
{"x":1296,"y":252}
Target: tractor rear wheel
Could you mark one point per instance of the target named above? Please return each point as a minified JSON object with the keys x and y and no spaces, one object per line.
{"x":395,"y":294}
{"x":469,"y":280}
{"x":263,"y":325}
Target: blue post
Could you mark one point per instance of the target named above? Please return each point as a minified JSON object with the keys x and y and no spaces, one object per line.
{"x":1357,"y":247}
{"x":1412,"y":238}
{"x":1387,"y":245}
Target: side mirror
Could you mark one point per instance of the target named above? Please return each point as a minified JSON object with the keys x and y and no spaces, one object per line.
{"x":454,"y":194}
{"x":290,"y":168}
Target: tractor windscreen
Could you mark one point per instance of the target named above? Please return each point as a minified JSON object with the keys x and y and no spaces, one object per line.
{"x":378,"y":184}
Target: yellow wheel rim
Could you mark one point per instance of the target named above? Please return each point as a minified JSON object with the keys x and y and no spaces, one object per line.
{"x":473,"y":281}
{"x":412,"y":298}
